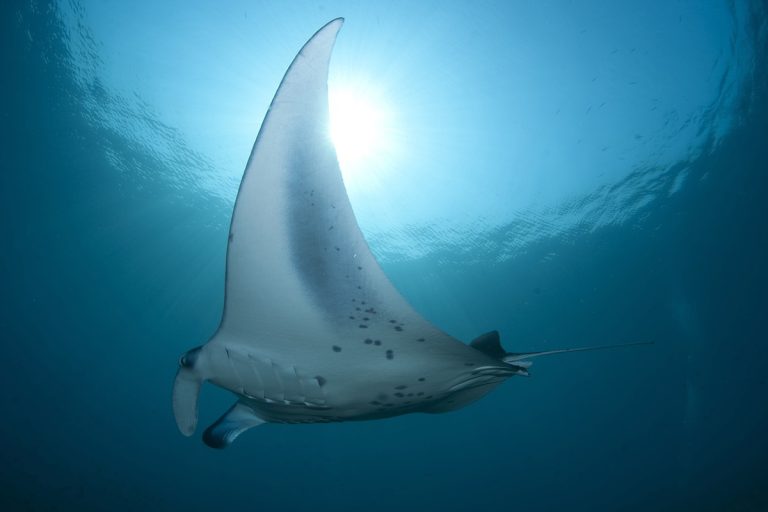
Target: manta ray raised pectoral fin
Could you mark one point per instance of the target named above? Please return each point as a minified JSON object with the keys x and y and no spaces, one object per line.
{"x":297,"y":262}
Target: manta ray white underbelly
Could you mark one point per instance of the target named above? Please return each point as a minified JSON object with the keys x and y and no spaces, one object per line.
{"x":312,"y":329}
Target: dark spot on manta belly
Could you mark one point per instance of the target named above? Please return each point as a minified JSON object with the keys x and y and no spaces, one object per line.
{"x":363,"y":326}
{"x":368,"y":341}
{"x":393,"y":321}
{"x":420,"y":339}
{"x":320,"y":380}
{"x":422,"y":379}
{"x":365,"y":319}
{"x":336,"y":348}
{"x":390,"y":354}
{"x":401,"y":387}
{"x":398,"y":328}
{"x":399,"y":395}
{"x":377,"y":342}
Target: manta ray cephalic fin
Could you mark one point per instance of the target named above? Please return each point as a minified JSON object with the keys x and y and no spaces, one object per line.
{"x":234,"y":422}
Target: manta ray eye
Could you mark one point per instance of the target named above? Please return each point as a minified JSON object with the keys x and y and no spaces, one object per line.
{"x":188,"y":359}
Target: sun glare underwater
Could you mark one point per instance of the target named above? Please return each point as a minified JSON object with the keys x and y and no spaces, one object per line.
{"x":360,"y":128}
{"x":567,"y":173}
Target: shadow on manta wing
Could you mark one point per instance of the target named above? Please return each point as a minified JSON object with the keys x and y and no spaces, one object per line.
{"x":312,"y":329}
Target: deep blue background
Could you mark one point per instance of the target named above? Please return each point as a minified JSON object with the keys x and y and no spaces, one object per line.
{"x":112,"y":263}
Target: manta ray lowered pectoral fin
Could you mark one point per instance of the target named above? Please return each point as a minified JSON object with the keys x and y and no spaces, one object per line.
{"x":312,"y":329}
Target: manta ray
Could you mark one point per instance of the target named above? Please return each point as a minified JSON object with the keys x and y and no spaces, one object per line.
{"x":312,"y":330}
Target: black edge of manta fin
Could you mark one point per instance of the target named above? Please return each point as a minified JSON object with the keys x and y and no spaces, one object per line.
{"x":489,"y":344}
{"x":234,"y":422}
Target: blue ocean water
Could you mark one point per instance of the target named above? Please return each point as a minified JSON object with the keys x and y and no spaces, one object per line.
{"x":567,"y":173}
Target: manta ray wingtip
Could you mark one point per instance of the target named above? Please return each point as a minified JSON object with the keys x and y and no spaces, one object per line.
{"x":333,"y":25}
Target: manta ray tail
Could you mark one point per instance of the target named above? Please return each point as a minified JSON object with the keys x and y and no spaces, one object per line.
{"x":490,"y":344}
{"x":186,"y":389}
{"x":517,"y":357}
